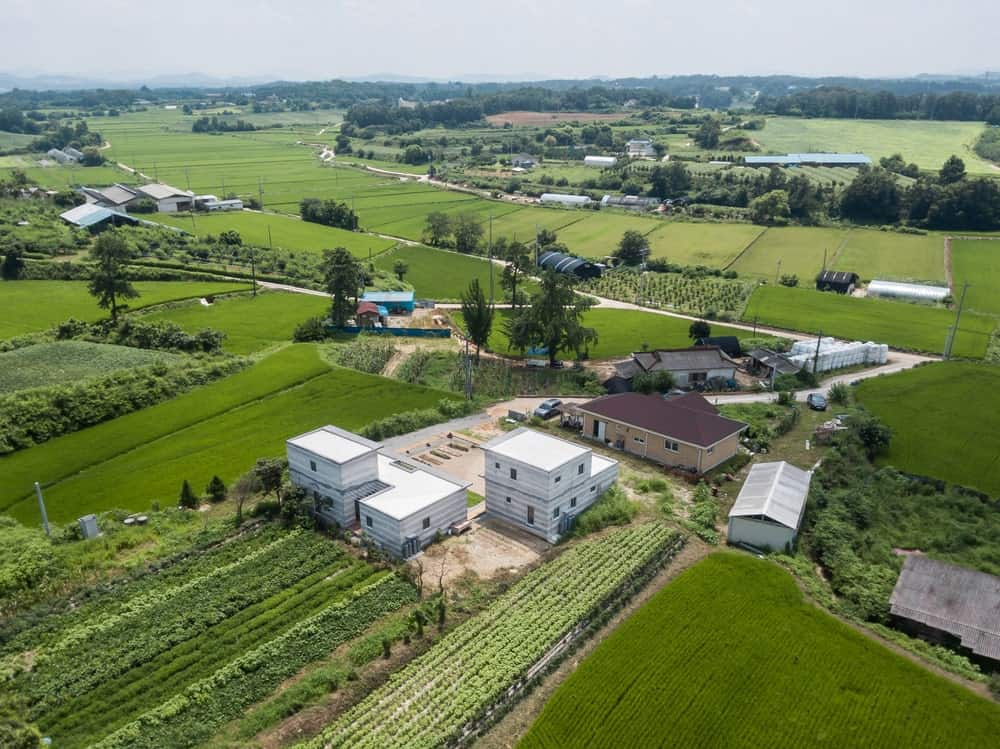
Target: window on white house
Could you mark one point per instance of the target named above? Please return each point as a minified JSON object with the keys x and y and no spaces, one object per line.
{"x":640,"y":439}
{"x":555,"y":513}
{"x":312,"y":465}
{"x":513,"y":473}
{"x":710,"y":450}
{"x":531,"y":516}
{"x":593,"y":489}
{"x":496,"y":465}
{"x":572,"y":502}
{"x":427,"y":523}
{"x":671,"y":445}
{"x":508,"y":500}
{"x":368,"y":520}
{"x":579,"y":470}
{"x":558,"y":479}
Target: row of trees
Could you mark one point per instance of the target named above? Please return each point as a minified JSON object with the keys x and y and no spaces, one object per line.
{"x":840,"y":102}
{"x":216,"y":124}
{"x":328,"y":213}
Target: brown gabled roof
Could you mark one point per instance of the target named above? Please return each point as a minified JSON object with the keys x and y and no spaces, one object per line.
{"x":963,"y":602}
{"x":688,"y":418}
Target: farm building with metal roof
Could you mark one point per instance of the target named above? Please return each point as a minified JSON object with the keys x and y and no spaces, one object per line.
{"x":809,"y":159}
{"x":630,"y":202}
{"x":394,"y":301}
{"x":769,"y":508}
{"x":841,"y":281}
{"x":562,"y":263}
{"x":562,"y":199}
{"x":95,"y":217}
{"x":916,"y":291}
{"x":949,"y":604}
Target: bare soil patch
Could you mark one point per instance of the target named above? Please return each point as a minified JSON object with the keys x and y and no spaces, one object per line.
{"x":531,"y":119}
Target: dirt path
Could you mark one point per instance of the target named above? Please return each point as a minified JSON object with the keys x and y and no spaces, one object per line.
{"x":948,"y":279}
{"x":515,"y":724}
{"x":402,"y":353}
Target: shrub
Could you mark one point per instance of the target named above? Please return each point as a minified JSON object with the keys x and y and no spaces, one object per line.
{"x":840,"y":392}
{"x":187,"y":499}
{"x":313,"y":329}
{"x":612,"y":508}
{"x":216,"y":489}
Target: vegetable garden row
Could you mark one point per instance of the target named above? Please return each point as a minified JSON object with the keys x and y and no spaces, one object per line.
{"x":674,"y":291}
{"x":435,"y":699}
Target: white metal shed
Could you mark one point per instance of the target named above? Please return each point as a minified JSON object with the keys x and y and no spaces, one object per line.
{"x":770,"y":505}
{"x":917,"y":291}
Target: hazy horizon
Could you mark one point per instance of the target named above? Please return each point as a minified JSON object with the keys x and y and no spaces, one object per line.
{"x":449,"y":40}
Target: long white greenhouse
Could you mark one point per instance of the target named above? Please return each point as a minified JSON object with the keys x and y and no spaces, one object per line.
{"x":916,"y":291}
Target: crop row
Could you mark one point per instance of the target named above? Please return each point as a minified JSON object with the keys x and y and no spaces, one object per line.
{"x":194,"y":715}
{"x":674,"y":291}
{"x":105,"y":647}
{"x":114,"y":703}
{"x":435,"y":697}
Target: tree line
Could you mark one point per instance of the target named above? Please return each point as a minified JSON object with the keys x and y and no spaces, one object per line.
{"x":852,"y":103}
{"x":220,"y":125}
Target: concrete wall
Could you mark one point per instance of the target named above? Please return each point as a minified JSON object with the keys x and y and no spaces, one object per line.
{"x":391,"y":533}
{"x":653,"y":446}
{"x":759,"y":533}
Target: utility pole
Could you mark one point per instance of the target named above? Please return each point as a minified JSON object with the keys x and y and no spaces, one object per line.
{"x":958,"y":316}
{"x":777,"y":273}
{"x":467,"y":366}
{"x":41,"y":506}
{"x":491,"y":260}
{"x":824,"y":259}
{"x":755,"y":326}
{"x":819,"y":339}
{"x":187,"y":176}
{"x":253,"y":274}
{"x":260,"y":192}
{"x":270,"y":245}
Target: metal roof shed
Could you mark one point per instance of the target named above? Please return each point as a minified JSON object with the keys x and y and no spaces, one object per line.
{"x":770,"y":505}
{"x":916,"y":291}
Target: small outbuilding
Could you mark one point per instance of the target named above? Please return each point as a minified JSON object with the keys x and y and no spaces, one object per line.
{"x":367,"y":315}
{"x":96,"y":218}
{"x":768,"y":511}
{"x":841,"y":281}
{"x":729,"y":344}
{"x":690,"y":367}
{"x":563,"y":263}
{"x":523,"y":161}
{"x":396,"y":302}
{"x":168,"y":199}
{"x":951,"y":605}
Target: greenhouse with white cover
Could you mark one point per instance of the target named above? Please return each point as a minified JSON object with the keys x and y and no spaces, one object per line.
{"x":916,"y":291}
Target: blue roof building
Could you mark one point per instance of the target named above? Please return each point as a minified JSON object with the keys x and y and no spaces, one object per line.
{"x":95,"y":218}
{"x":393,"y":301}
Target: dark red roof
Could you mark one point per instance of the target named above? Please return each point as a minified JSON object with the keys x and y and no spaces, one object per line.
{"x":367,"y":308}
{"x":688,"y":418}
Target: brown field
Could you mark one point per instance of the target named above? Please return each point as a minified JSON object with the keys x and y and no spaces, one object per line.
{"x":532,"y":119}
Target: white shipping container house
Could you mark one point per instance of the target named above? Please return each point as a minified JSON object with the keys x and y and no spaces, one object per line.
{"x":540,"y":483}
{"x":768,"y":511}
{"x":397,"y":503}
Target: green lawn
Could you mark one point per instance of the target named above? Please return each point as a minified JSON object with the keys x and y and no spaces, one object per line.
{"x":978,"y":262}
{"x":220,"y":429}
{"x":713,"y":245}
{"x":31,"y":306}
{"x":731,"y":655}
{"x":620,"y":332}
{"x":799,"y":249}
{"x":926,"y":143}
{"x":889,"y":255}
{"x":70,"y":361}
{"x":899,"y":324}
{"x":441,"y":275}
{"x":945,"y":419}
{"x":285,"y":232}
{"x":250,"y":324}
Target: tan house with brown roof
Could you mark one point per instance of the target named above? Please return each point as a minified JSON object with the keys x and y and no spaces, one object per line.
{"x":683,"y":432}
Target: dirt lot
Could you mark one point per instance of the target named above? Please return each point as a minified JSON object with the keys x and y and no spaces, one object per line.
{"x":532,"y":119}
{"x":490,"y":548}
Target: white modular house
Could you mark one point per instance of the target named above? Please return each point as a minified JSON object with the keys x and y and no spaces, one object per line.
{"x":397,"y":503}
{"x":541,"y":483}
{"x":769,"y":508}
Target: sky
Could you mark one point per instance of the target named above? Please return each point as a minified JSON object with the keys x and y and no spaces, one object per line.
{"x":512,"y":40}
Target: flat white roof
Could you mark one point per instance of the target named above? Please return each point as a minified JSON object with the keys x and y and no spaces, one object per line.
{"x":776,"y":491}
{"x":536,"y":449}
{"x":409,"y":492}
{"x":336,"y":445}
{"x":599,"y":464}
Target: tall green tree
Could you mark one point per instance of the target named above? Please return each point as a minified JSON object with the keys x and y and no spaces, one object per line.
{"x":633,"y":248}
{"x":342,"y":276}
{"x":669,"y":180}
{"x":400,"y":267}
{"x":468,"y":232}
{"x":553,"y":319}
{"x":13,"y":264}
{"x":187,"y":500}
{"x":110,"y":283}
{"x":269,"y":472}
{"x":873,"y":196}
{"x":770,"y":208}
{"x":478,"y":315}
{"x":699,"y":329}
{"x":707,"y":136}
{"x":518,"y":258}
{"x":438,"y":228}
{"x":953,"y":170}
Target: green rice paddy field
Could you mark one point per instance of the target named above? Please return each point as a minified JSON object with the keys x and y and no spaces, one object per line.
{"x":285,"y":232}
{"x":70,"y":361}
{"x":956,"y":402}
{"x":620,"y":332}
{"x":899,"y":324}
{"x":978,"y":262}
{"x":720,"y":657}
{"x":250,"y":323}
{"x":31,"y":306}
{"x":143,"y":457}
{"x":924,"y":142}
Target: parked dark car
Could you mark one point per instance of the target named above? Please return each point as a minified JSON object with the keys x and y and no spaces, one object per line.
{"x":548,"y":408}
{"x":816,"y":402}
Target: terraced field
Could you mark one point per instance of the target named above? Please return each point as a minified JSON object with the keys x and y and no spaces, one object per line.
{"x":31,"y":306}
{"x":219,"y":429}
{"x":712,"y":659}
{"x":171,"y":656}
